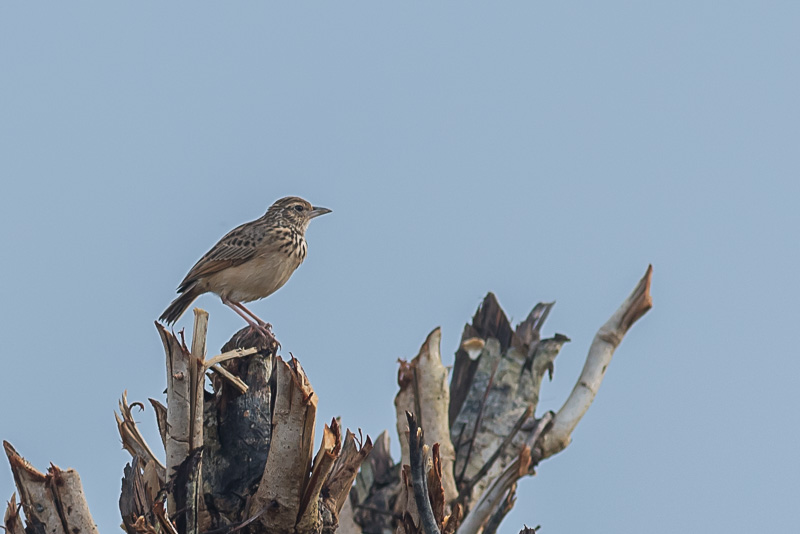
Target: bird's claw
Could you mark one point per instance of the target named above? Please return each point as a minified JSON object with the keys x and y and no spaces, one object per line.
{"x":266,"y":331}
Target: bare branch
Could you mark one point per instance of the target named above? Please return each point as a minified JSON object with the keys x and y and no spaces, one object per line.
{"x":602,"y":349}
{"x":419,"y":478}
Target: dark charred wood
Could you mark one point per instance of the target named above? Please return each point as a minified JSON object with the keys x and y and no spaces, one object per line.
{"x":237,"y":430}
{"x":133,"y":500}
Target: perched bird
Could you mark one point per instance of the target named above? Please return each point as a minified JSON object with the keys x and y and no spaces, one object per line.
{"x":251,"y":262}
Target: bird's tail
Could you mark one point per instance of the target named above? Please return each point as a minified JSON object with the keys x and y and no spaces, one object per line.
{"x":179,"y":305}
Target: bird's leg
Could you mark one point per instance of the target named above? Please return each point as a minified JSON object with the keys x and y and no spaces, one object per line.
{"x":255,"y":317}
{"x":232,"y":305}
{"x":255,"y":323}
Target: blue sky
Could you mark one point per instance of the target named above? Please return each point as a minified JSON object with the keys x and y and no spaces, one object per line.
{"x":543,"y":151}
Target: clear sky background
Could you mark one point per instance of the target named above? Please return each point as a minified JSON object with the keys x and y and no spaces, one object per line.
{"x":540,"y":150}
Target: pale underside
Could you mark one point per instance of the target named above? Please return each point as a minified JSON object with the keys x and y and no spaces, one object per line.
{"x":251,"y":262}
{"x":254,"y":279}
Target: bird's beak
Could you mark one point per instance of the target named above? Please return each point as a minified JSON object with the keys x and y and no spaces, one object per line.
{"x":316,"y":211}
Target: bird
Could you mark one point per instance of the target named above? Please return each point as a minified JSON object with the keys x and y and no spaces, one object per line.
{"x":250,"y":262}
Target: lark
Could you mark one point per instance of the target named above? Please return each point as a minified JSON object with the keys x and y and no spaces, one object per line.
{"x":251,"y":262}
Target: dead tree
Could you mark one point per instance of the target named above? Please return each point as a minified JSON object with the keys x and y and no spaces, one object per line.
{"x":483,"y":426}
{"x":240,"y":457}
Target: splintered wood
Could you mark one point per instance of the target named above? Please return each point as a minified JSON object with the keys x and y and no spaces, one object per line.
{"x":254,"y":466}
{"x":240,"y":457}
{"x":237,"y":458}
{"x":293,"y":435}
{"x":54,"y":501}
{"x":484,"y":425}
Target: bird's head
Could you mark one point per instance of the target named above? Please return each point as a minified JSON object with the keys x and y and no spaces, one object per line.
{"x":295,"y":211}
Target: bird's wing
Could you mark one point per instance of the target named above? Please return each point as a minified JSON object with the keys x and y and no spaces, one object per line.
{"x":238,"y":246}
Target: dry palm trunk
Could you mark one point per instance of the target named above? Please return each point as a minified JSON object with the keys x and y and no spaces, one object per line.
{"x":240,"y":457}
{"x":248,"y":464}
{"x":484,"y":427}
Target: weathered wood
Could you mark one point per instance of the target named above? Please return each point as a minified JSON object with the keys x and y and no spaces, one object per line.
{"x":502,"y":510}
{"x":197,"y":517}
{"x":53,"y":503}
{"x":229,"y":355}
{"x":344,"y":472}
{"x":505,"y":379}
{"x":452,"y":521}
{"x":489,"y":321}
{"x":602,"y":349}
{"x":311,"y":515}
{"x":161,"y":420}
{"x":376,"y":489}
{"x":494,"y":395}
{"x":132,"y":439}
{"x":239,"y":458}
{"x":491,"y":499}
{"x":289,"y":461}
{"x":234,"y":380}
{"x":185,"y":489}
{"x":184,"y":437}
{"x":135,"y":501}
{"x":11,"y":518}
{"x":179,"y":412}
{"x":424,"y":392}
{"x":501,"y":486}
{"x":197,"y":371}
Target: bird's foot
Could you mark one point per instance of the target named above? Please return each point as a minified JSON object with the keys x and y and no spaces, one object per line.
{"x":265,"y":331}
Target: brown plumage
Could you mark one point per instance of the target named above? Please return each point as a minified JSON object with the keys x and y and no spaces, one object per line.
{"x":251,"y":262}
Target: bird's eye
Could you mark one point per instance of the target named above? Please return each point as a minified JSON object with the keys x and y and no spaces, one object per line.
{"x":299,"y":207}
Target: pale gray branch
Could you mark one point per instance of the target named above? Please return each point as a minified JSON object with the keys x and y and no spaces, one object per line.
{"x":602,"y":349}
